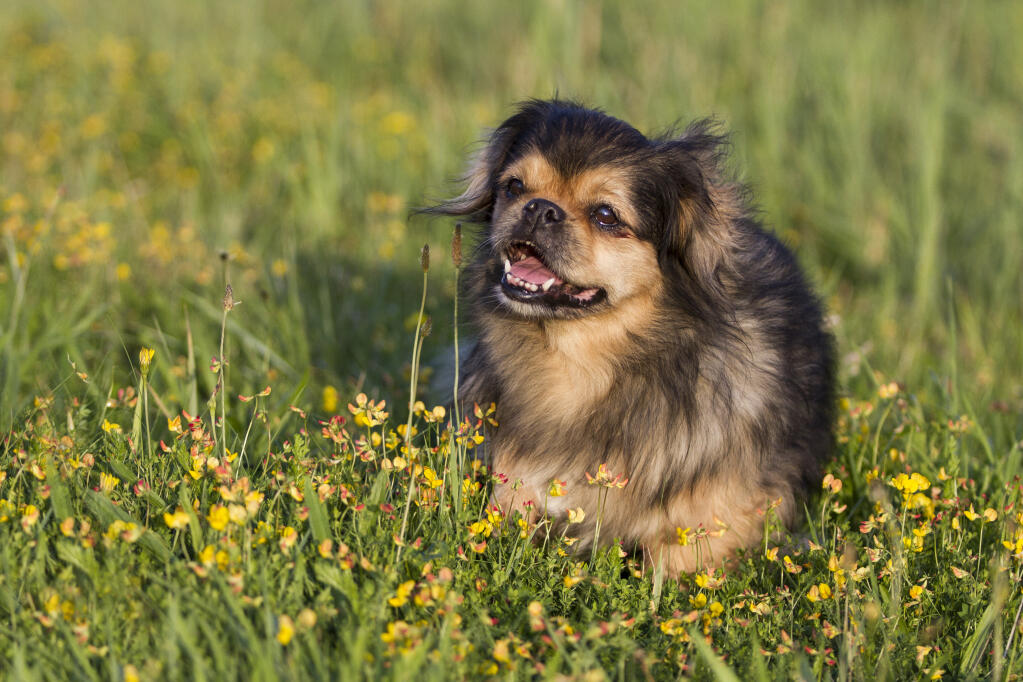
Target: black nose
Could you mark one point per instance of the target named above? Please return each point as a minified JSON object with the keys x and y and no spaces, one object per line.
{"x":542,"y":213}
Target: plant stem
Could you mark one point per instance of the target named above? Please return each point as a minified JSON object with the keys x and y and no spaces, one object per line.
{"x":413,"y":384}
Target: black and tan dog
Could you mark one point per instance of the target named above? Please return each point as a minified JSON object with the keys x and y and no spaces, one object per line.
{"x":632,"y":312}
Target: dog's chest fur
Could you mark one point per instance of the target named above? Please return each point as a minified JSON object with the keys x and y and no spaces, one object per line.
{"x":609,"y":390}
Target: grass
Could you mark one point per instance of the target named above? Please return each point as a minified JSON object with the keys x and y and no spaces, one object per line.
{"x":211,"y":516}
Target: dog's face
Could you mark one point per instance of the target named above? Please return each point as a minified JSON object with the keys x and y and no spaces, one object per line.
{"x":583,"y":212}
{"x":566,"y":244}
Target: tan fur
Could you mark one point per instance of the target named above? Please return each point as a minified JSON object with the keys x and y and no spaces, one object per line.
{"x":575,"y":360}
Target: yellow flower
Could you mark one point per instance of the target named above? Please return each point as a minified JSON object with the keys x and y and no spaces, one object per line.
{"x":990,"y":515}
{"x":825,"y":591}
{"x":6,"y":510}
{"x":67,"y":527}
{"x":501,"y":653}
{"x":111,"y":427}
{"x":908,"y":485}
{"x":29,"y":516}
{"x":177,"y":520}
{"x":970,"y":514}
{"x":237,"y":514}
{"x":145,"y":359}
{"x":889,"y":390}
{"x":307,"y":618}
{"x":92,"y":127}
{"x":16,"y":203}
{"x":107,"y":482}
{"x":206,"y":556}
{"x":832,"y":483}
{"x":401,"y":595}
{"x":557,"y":488}
{"x":916,"y":591}
{"x":218,"y":517}
{"x":252,"y":501}
{"x":366,"y":412}
{"x":771,"y":553}
{"x":683,"y":536}
{"x":222,"y":558}
{"x":603,"y":478}
{"x":285,"y":630}
{"x":329,"y":399}
{"x":481,"y":527}
{"x":576,"y":515}
{"x":430,"y":478}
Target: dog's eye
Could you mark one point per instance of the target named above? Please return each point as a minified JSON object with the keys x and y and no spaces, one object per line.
{"x":605,"y":217}
{"x":514,"y":188}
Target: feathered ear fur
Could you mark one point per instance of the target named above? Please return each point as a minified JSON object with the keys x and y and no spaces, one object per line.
{"x":476,"y":203}
{"x":706,"y":205}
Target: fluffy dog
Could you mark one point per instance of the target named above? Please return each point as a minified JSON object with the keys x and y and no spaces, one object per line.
{"x":633,"y":312}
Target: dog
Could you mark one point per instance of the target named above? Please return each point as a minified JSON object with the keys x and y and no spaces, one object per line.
{"x":634,"y":313}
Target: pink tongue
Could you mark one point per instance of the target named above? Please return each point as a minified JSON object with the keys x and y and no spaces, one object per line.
{"x":533,"y":271}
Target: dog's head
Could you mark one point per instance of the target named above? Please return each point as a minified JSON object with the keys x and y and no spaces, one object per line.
{"x":583,"y":212}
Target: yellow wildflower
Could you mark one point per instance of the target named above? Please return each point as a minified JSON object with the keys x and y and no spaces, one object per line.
{"x":431,"y":479}
{"x":177,"y":520}
{"x":285,"y":630}
{"x":107,"y":482}
{"x":401,"y":595}
{"x":329,"y":399}
{"x":206,"y":556}
{"x":218,"y":517}
{"x":146,"y":359}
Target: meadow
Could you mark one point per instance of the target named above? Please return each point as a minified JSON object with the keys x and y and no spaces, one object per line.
{"x":220,"y":456}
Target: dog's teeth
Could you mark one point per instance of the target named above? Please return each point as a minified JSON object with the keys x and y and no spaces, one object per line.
{"x":548,"y":284}
{"x":507,"y":265}
{"x":532,"y":287}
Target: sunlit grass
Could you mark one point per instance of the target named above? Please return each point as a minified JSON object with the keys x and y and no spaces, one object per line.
{"x":196,"y":486}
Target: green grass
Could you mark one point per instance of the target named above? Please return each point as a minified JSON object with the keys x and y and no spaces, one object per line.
{"x":150,"y":153}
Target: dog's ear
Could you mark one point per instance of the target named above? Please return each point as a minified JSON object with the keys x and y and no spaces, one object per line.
{"x":476,"y":203}
{"x":703,"y":204}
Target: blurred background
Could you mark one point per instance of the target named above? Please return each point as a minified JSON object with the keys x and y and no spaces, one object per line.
{"x":149,"y":150}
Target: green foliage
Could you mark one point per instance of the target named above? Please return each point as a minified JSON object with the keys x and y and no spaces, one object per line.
{"x":206,"y":514}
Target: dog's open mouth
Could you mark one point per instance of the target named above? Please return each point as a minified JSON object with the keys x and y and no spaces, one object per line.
{"x":527,"y":279}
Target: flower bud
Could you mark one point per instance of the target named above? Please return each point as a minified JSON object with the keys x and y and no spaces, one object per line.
{"x":146,"y":359}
